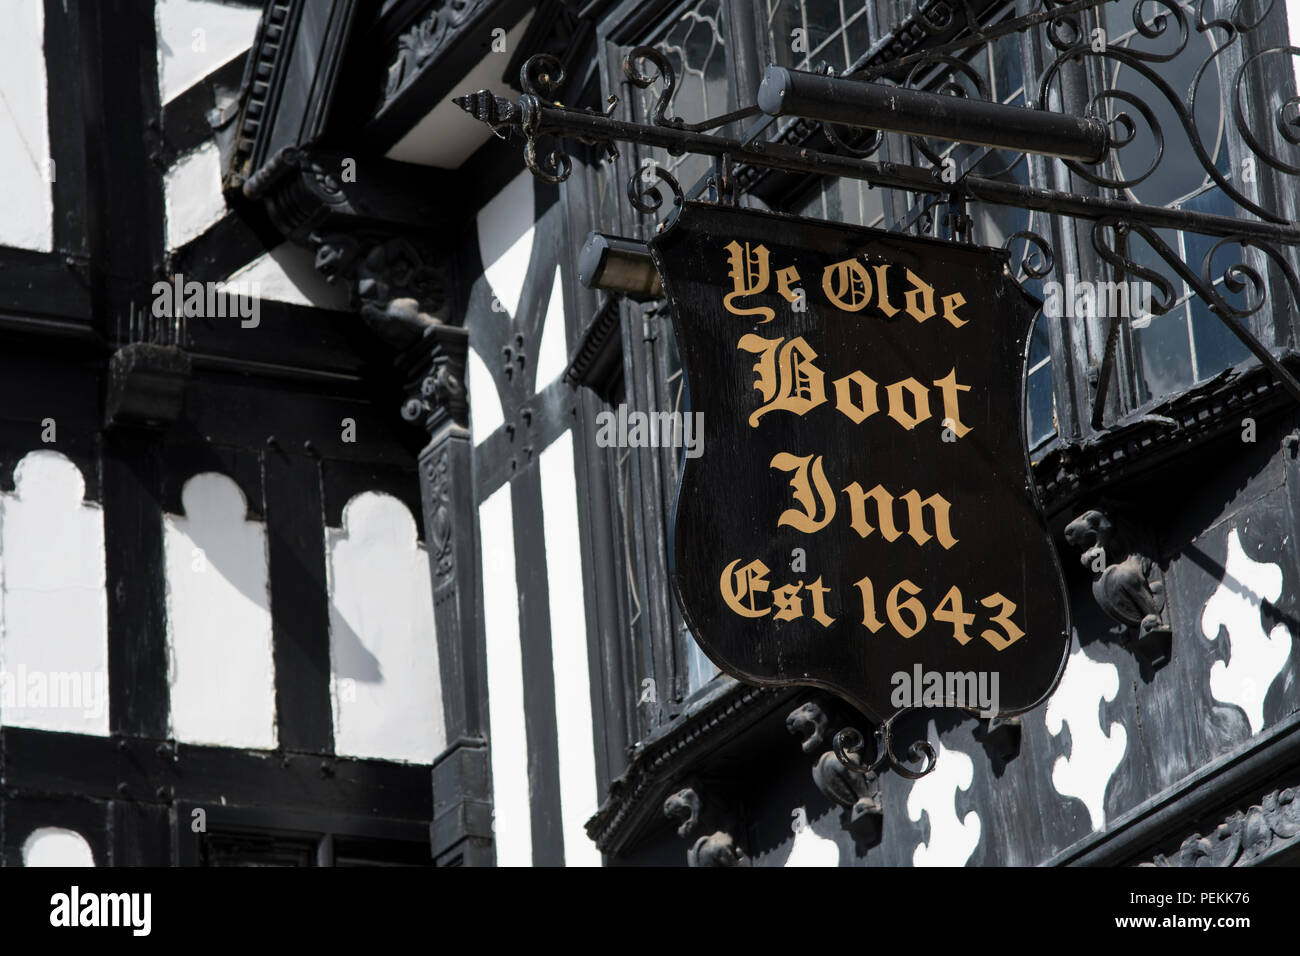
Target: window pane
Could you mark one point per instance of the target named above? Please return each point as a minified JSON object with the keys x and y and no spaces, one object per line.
{"x":1164,"y":356}
{"x":695,"y":45}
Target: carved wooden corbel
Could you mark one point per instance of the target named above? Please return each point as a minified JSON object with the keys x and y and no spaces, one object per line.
{"x":1127,"y":584}
{"x":809,"y":721}
{"x":398,"y":288}
{"x":718,"y":848}
{"x":857,"y":794}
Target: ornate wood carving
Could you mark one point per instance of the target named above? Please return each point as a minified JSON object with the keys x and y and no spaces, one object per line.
{"x":421,"y":42}
{"x":718,"y":848}
{"x":1127,"y":583}
{"x":1245,"y":838}
{"x":684,"y":805}
{"x":398,"y":287}
{"x":435,"y":370}
{"x":808,"y":721}
{"x":857,"y":793}
{"x":1214,"y":408}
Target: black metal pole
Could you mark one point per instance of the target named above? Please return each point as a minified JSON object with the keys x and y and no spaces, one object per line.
{"x":592,"y":127}
{"x":848,"y":102}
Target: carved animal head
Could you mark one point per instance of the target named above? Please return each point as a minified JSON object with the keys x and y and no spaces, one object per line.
{"x":809,"y":722}
{"x":1093,"y":532}
{"x":684,"y":805}
{"x":718,"y":849}
{"x":335,"y":255}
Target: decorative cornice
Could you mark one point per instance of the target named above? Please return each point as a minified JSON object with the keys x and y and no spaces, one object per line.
{"x":1153,"y":436}
{"x":420,"y":42}
{"x":258,"y":85}
{"x":598,"y":358}
{"x":1244,"y":838}
{"x":663,"y":758}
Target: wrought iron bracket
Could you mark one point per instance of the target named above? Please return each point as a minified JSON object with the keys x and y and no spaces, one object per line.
{"x":848,"y":746}
{"x":1087,"y":145}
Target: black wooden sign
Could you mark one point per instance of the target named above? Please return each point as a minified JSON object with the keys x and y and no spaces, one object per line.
{"x":862,"y":517}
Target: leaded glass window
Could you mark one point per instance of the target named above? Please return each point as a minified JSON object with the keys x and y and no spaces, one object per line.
{"x":1187,"y":344}
{"x":802,"y":34}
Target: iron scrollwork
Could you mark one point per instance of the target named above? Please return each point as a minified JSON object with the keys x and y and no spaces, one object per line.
{"x":848,"y":745}
{"x":1240,"y":278}
{"x":541,"y":77}
{"x":1039,"y":258}
{"x":646,"y":197}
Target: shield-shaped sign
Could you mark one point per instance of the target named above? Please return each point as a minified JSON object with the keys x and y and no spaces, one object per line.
{"x":862,"y":516}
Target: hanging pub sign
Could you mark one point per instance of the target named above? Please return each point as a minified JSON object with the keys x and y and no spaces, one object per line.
{"x":862,"y":518}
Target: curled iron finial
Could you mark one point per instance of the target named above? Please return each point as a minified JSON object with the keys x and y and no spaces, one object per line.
{"x":848,"y":745}
{"x":1039,"y":259}
{"x":646,"y":197}
{"x":663,"y":70}
{"x":555,"y":166}
{"x":542,"y":75}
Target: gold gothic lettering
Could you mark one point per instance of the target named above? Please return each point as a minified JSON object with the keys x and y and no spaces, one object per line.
{"x":742,"y":585}
{"x":806,"y":493}
{"x":749,"y":276}
{"x":787,"y":378}
{"x":938,"y":505}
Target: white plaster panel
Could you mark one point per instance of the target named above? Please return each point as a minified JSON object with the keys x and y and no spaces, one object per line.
{"x":54,"y":642}
{"x":1094,"y":754}
{"x":196,"y":38}
{"x":553,"y":356}
{"x":1255,"y":659}
{"x":56,"y":846}
{"x":219,"y":643}
{"x":505,"y":242}
{"x":952,"y":839}
{"x":511,"y":794}
{"x":26,"y":169}
{"x":387,"y":691}
{"x":810,"y":848}
{"x":578,"y":797}
{"x":193,"y":194}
